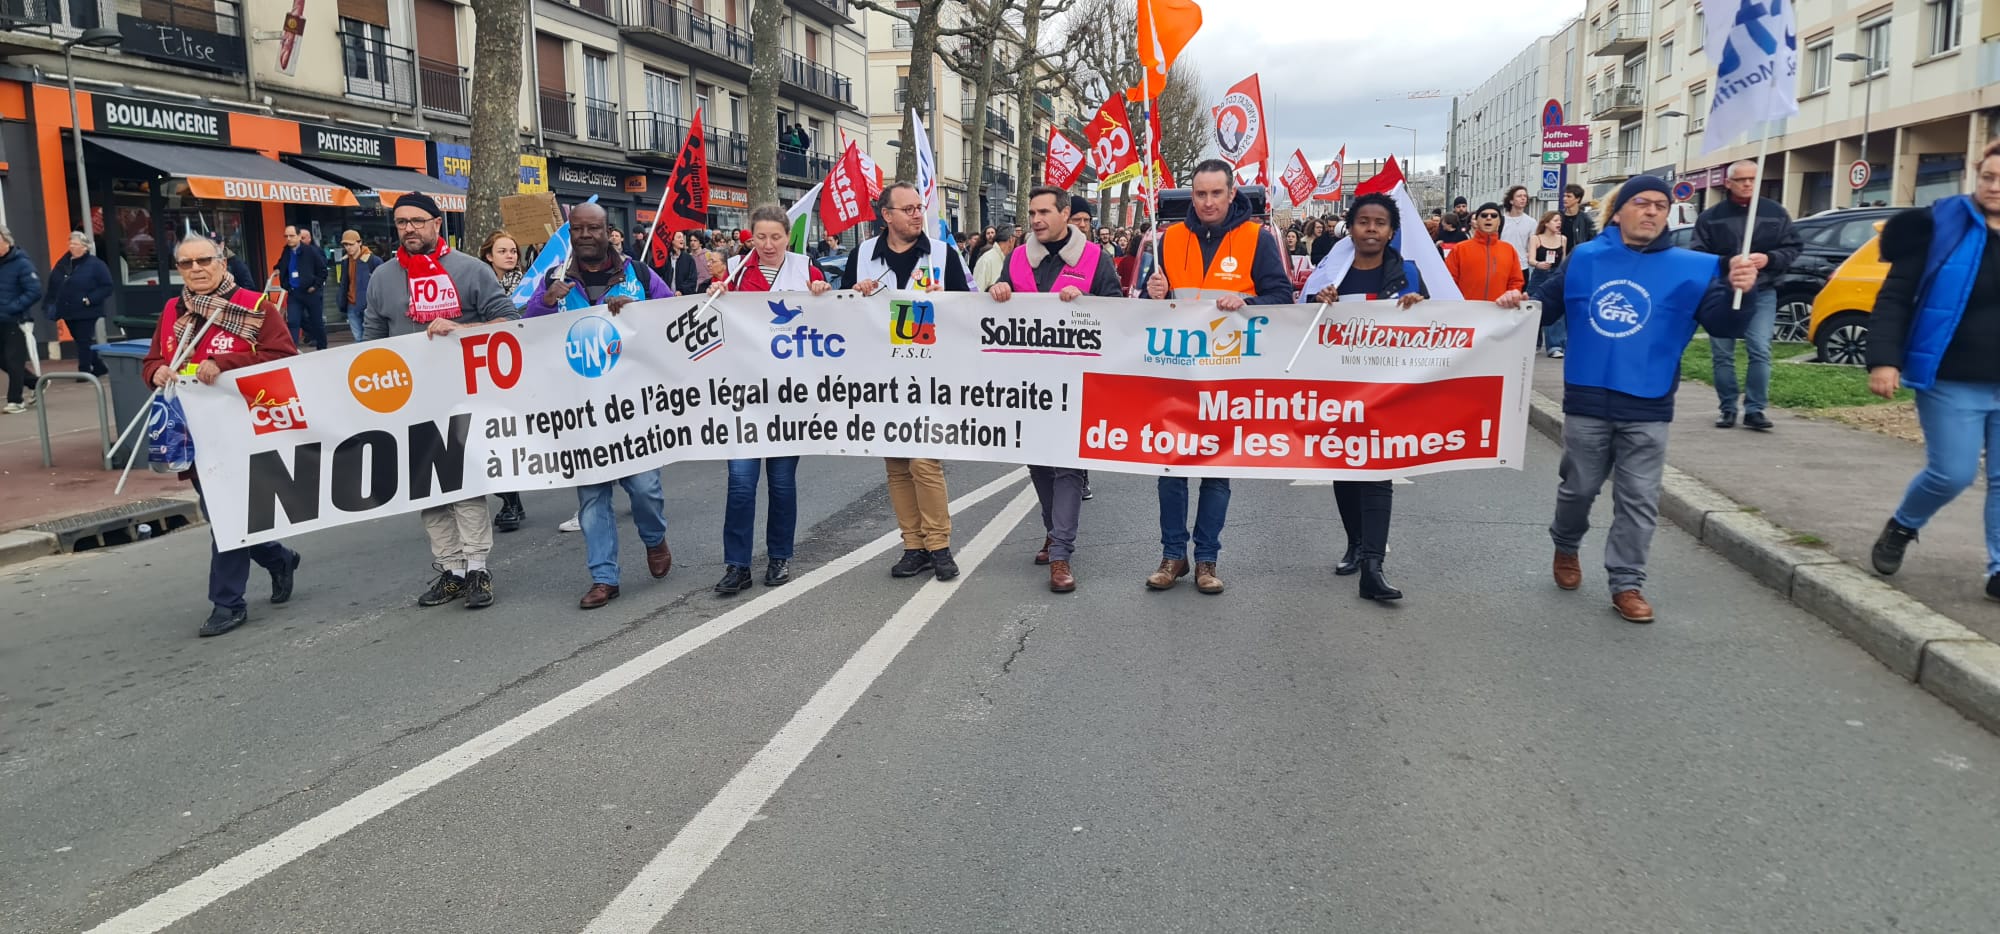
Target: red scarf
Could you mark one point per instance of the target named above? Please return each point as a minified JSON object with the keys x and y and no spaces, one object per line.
{"x":432,"y":293}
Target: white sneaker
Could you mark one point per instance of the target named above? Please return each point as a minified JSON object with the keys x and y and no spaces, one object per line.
{"x":28,"y":398}
{"x":570,"y":525}
{"x":1556,"y":354}
{"x":13,"y":408}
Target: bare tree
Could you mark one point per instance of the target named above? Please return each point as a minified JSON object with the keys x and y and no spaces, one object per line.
{"x":1184,"y":119}
{"x":922,"y":16}
{"x":1032,"y":75}
{"x":496,"y":111}
{"x":975,"y":52}
{"x":767,"y":21}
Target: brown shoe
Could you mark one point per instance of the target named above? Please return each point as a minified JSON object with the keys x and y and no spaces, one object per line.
{"x":1632,"y":606}
{"x":598,"y":595}
{"x":659,"y":559}
{"x":1569,"y":571}
{"x":1205,"y":579}
{"x":1171,"y":570}
{"x":1060,"y":579}
{"x":1042,"y":557}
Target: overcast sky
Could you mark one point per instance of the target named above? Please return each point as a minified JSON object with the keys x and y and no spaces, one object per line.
{"x":1323,"y":66}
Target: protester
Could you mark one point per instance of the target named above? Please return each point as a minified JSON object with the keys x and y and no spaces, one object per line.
{"x":1719,"y":230}
{"x":502,"y":254}
{"x":768,"y":267}
{"x":356,"y":271}
{"x":1546,"y":251}
{"x":1323,"y":240}
{"x":1378,"y":274}
{"x":20,"y":289}
{"x":246,"y":330}
{"x":1057,"y":259}
{"x":1936,"y":329}
{"x":1578,"y":228}
{"x":1485,"y":267}
{"x":992,"y":267}
{"x":460,"y":533}
{"x":1517,"y":226}
{"x":1630,"y":300}
{"x":301,"y":271}
{"x":901,"y":258}
{"x":1450,"y":233}
{"x":1081,"y":213}
{"x":79,"y":289}
{"x":1463,"y":216}
{"x":682,"y":265}
{"x":618,"y":241}
{"x":635,"y":245}
{"x":1216,"y":251}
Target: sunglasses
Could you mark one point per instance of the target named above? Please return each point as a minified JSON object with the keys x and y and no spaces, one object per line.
{"x":193,"y":261}
{"x":1486,"y":215}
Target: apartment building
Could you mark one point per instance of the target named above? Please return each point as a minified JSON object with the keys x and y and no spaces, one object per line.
{"x":1497,"y":128}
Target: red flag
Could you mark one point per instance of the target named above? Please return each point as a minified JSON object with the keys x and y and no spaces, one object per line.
{"x":1239,"y":124}
{"x":1165,"y":26}
{"x":1064,"y":162}
{"x":1383,"y":182}
{"x":1112,"y":152}
{"x":1298,"y":178}
{"x":1331,"y":181}
{"x":684,"y":206}
{"x":848,"y":194}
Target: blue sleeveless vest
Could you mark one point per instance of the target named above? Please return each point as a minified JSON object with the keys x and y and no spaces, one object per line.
{"x":1958,"y":243}
{"x":633,"y":287}
{"x":1630,"y":315}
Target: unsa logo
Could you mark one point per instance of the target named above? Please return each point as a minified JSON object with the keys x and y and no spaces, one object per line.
{"x":1619,"y":308}
{"x":592,"y":346}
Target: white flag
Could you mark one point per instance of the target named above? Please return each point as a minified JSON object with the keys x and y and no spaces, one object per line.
{"x":799,"y":216}
{"x":1754,"y":45}
{"x":1412,"y":241}
{"x":926,"y":180}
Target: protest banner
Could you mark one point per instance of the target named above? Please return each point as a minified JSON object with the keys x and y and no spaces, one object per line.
{"x":1159,"y":387}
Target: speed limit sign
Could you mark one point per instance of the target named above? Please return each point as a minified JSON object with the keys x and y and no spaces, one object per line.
{"x":1858,"y":175}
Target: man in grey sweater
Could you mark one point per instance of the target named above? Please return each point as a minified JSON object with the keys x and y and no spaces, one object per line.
{"x":433,"y":288}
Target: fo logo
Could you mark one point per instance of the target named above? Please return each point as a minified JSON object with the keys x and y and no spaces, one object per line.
{"x":592,"y":346}
{"x":1619,"y":308}
{"x":912,"y":323}
{"x":273,"y":400}
{"x":380,"y":380}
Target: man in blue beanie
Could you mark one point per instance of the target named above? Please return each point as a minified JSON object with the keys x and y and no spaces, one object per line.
{"x":1630,"y":301}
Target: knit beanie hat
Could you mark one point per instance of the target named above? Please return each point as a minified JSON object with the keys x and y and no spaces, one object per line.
{"x":1635,"y":185}
{"x":421,"y":201}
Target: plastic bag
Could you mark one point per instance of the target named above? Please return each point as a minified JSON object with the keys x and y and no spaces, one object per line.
{"x":169,"y":446}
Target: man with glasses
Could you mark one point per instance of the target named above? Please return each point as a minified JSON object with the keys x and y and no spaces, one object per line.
{"x":905,"y":257}
{"x":1485,"y":266}
{"x":1773,"y":248}
{"x":241,"y":333}
{"x":1630,"y":303}
{"x":437,"y":290}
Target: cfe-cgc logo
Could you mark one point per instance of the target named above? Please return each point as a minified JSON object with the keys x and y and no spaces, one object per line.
{"x":698,"y":336}
{"x":274,"y":401}
{"x":912,"y":328}
{"x":1222,"y":344}
{"x":592,"y":346}
{"x":1619,"y":308}
{"x":789,"y":339}
{"x":380,"y":380}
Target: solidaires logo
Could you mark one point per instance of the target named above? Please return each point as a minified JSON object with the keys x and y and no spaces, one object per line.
{"x":592,"y":346}
{"x":1619,"y":308}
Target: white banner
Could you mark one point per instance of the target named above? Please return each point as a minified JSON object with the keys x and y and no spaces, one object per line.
{"x":1173,"y":387}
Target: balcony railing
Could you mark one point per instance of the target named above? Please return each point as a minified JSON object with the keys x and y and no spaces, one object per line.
{"x":447,"y":87}
{"x":816,"y":79}
{"x":650,"y":132}
{"x":558,"y":110}
{"x":1618,"y":101}
{"x":826,"y":9}
{"x":1616,"y":165}
{"x":993,"y":176}
{"x":698,"y":30}
{"x":1629,"y":32}
{"x":804,"y":165}
{"x":600,"y":120}
{"x":378,"y":70}
{"x":998,"y":124}
{"x":1046,"y":103}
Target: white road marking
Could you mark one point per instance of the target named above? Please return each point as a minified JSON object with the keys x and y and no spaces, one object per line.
{"x":244,"y":868}
{"x":664,"y":880}
{"x":1398,"y":481}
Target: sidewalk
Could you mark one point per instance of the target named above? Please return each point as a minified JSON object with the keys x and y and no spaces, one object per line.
{"x":1836,"y":484}
{"x":78,"y":483}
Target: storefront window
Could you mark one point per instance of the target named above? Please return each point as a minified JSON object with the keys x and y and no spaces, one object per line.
{"x":138,"y":254}
{"x":182,"y":214}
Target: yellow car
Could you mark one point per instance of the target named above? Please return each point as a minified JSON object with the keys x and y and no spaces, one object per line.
{"x":1839,"y":326}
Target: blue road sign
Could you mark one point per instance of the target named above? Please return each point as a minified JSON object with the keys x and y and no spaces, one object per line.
{"x":1551,"y":180}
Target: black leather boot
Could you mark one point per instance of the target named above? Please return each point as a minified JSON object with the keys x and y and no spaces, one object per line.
{"x":1373,"y":586}
{"x":1349,"y":562}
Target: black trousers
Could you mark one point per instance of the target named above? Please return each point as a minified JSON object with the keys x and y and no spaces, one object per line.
{"x":229,"y":571}
{"x":1364,"y":512}
{"x":14,"y":351}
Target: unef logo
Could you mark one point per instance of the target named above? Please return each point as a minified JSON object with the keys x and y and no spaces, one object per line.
{"x":1619,"y":308}
{"x":380,"y":380}
{"x":1223,"y":344}
{"x":790,"y":340}
{"x":912,"y":328}
{"x":592,"y":346}
{"x":273,"y":400}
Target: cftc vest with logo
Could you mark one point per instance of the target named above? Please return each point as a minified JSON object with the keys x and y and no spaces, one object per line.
{"x":1187,"y":277}
{"x":1630,"y":315}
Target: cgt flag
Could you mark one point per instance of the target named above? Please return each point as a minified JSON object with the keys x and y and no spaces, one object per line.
{"x":1112,"y":153}
{"x":1165,"y":26}
{"x":1298,"y":178}
{"x":1239,"y":124}
{"x":1755,"y":48}
{"x":684,"y":206}
{"x":1330,"y":182}
{"x":846,"y":194}
{"x":1065,"y":161}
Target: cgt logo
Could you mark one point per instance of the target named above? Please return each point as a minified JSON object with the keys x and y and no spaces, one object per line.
{"x":1223,"y":344}
{"x":274,"y":401}
{"x":912,"y":328}
{"x":790,"y":340}
{"x":380,"y":380}
{"x":592,"y":346}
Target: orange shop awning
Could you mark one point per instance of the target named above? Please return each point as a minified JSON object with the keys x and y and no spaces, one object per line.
{"x":387,"y":183}
{"x":230,"y":174}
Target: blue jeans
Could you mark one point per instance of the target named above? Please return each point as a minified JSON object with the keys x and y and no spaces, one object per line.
{"x":354,"y":324}
{"x":600,"y":527}
{"x":1722,"y":352}
{"x":1209,"y":515}
{"x":1960,"y":420}
{"x":1555,"y":336}
{"x":739,"y":518}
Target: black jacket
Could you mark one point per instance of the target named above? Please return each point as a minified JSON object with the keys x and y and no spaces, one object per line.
{"x":1719,"y":230}
{"x":1973,"y":354}
{"x":312,"y":268}
{"x":683,"y":279}
{"x":79,"y":289}
{"x":20,"y":288}
{"x":1268,"y":272}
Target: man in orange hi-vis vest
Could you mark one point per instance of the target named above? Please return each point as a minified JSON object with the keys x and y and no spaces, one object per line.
{"x":1217,"y":253}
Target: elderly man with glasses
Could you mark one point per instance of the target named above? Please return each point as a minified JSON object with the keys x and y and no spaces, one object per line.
{"x":1773,"y":249}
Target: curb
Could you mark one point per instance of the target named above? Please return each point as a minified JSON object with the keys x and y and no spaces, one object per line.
{"x":22,"y":545}
{"x":1955,"y":664}
{"x":100,"y":528}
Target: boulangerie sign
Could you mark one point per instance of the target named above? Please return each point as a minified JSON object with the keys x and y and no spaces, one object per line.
{"x":1158,"y":387}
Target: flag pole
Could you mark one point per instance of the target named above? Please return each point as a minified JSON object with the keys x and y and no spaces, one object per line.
{"x":1146,"y":153}
{"x":1310,"y":330}
{"x":1750,"y":218}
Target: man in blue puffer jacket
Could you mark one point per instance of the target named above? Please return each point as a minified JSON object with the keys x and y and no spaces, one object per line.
{"x":1630,"y":302}
{"x":20,"y":289}
{"x":1936,"y":329}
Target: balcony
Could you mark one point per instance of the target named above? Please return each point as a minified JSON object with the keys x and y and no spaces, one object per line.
{"x":599,"y":7}
{"x":830,"y":12}
{"x":998,"y":125}
{"x":804,"y":165}
{"x":817,"y":80}
{"x":1623,"y":35}
{"x":600,"y":121}
{"x":1045,"y":104}
{"x":991,"y":176}
{"x":447,"y":87}
{"x":655,"y":139}
{"x":558,"y":110}
{"x":674,"y":30}
{"x":378,"y":71}
{"x":1615,"y":166}
{"x":1620,"y":102}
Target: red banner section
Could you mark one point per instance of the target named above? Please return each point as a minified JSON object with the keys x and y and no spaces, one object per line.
{"x":1289,"y":422}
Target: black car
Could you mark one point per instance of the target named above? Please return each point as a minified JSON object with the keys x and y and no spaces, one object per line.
{"x":1829,"y":239}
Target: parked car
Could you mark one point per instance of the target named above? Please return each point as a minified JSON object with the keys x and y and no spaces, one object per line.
{"x":1829,"y":239}
{"x":1839,"y":326}
{"x":834,"y":267}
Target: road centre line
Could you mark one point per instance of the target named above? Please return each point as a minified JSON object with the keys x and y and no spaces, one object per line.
{"x":169,"y":907}
{"x":660,"y":885}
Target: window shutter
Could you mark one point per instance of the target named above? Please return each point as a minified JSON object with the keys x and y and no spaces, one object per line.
{"x":367,"y":11}
{"x":437,"y":31}
{"x":549,"y":62}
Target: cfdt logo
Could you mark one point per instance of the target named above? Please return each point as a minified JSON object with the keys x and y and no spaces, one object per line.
{"x":592,"y":346}
{"x":697,"y":336}
{"x":790,"y":339}
{"x":380,"y":380}
{"x":912,"y":328}
{"x":1222,"y":344}
{"x":273,"y":400}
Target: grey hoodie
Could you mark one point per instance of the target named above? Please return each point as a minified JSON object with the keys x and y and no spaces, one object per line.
{"x":480,"y":297}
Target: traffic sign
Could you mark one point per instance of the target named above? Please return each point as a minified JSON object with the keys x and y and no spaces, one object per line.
{"x":1554,"y":158}
{"x":1858,"y":175}
{"x":1551,"y":181}
{"x":1683,"y":191}
{"x":1572,"y":141}
{"x":1552,"y":113}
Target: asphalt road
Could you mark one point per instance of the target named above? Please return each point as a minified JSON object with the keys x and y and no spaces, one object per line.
{"x":855,"y":753}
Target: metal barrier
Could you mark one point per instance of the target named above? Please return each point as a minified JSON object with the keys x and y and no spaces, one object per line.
{"x":103,"y":413}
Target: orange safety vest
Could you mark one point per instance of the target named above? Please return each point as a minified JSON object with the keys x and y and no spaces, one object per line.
{"x":1180,"y":259}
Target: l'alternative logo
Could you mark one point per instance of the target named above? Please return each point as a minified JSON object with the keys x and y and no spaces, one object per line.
{"x":592,"y":346}
{"x":697,"y":335}
{"x":790,"y":340}
{"x":1223,"y":344}
{"x":1619,"y":308}
{"x":1365,"y":334}
{"x":912,"y":328}
{"x":1036,"y":336}
{"x":273,"y":400}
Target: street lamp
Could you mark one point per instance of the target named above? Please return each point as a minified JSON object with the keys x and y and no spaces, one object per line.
{"x":1867,"y":104}
{"x":99,"y":38}
{"x":1413,"y":143}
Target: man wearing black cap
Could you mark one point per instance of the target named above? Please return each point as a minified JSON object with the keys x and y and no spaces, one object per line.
{"x":436,"y":289}
{"x":1630,"y":303}
{"x":1081,"y":213}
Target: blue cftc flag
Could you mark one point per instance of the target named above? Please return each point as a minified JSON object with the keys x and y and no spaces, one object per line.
{"x":1755,"y":47}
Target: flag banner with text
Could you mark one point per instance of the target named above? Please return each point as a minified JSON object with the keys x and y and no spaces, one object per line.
{"x":1156,"y":387}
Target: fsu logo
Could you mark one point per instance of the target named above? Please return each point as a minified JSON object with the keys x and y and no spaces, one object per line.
{"x":912,"y":323}
{"x":273,"y":400}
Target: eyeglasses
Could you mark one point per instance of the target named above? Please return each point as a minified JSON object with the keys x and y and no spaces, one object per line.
{"x":1486,"y":216}
{"x":193,"y":261}
{"x":412,"y":223}
{"x":913,"y":210}
{"x":1747,"y":178}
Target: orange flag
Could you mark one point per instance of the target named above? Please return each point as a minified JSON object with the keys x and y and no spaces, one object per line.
{"x":1165,"y":26}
